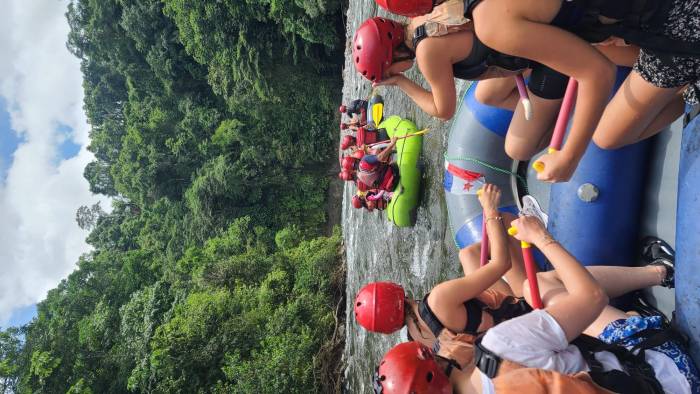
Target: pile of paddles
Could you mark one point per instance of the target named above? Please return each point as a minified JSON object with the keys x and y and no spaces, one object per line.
{"x":380,"y":157}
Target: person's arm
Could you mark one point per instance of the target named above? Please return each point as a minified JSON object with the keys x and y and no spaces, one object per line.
{"x":435,"y":56}
{"x":551,"y":46}
{"x":385,"y":154}
{"x":423,"y":98}
{"x":448,"y":297}
{"x":585,"y":298}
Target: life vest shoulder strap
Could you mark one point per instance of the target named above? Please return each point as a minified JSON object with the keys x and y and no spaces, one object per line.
{"x":428,"y":316}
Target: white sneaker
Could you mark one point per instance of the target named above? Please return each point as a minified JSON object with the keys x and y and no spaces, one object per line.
{"x":532,"y":208}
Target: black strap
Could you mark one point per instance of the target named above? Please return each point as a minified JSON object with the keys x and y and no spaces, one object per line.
{"x":426,"y":314}
{"x":510,"y":307}
{"x":487,"y":361}
{"x":418,"y":35}
{"x":638,"y":374}
{"x":474,"y":309}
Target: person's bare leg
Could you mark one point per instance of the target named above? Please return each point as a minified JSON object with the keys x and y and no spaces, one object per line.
{"x":497,"y":92}
{"x":638,"y":110}
{"x":614,"y":280}
{"x":672,"y":111}
{"x":527,"y":137}
{"x":552,"y":290}
{"x":609,"y":315}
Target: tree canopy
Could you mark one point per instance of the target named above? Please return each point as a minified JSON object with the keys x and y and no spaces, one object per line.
{"x":211,"y":126}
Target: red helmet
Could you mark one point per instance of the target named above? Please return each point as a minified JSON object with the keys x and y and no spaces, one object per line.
{"x":347,"y":142}
{"x":343,"y":126}
{"x":356,"y":202}
{"x":348,"y":163}
{"x":408,"y":8}
{"x":410,"y":367}
{"x":346,"y":176}
{"x":379,"y":307}
{"x":373,"y":46}
{"x":369,"y":163}
{"x":343,"y":109}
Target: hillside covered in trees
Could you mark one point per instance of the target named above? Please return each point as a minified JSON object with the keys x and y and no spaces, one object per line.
{"x":212,"y":126}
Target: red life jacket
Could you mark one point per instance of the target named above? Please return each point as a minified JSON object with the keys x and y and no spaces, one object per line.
{"x":385,"y":177}
{"x":361,"y":186}
{"x":365,"y":136}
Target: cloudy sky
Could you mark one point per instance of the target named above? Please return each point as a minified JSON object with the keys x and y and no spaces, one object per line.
{"x":43,"y":135}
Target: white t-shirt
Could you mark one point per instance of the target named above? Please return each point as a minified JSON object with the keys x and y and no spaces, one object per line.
{"x":536,"y":340}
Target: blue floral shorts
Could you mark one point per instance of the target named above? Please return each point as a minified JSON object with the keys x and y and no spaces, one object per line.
{"x":619,"y":332}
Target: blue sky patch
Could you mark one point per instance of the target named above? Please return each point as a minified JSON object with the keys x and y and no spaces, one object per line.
{"x":68,"y":147}
{"x":21,"y":316}
{"x":8,"y":141}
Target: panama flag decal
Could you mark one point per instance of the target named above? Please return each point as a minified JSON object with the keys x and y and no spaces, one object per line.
{"x":461,"y":181}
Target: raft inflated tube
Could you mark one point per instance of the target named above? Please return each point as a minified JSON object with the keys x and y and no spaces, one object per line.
{"x":596,"y":214}
{"x":402,"y":207}
{"x":688,"y":237}
{"x":476,"y":143}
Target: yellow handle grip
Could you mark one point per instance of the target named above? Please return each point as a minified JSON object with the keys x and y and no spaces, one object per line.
{"x":538,"y":165}
{"x":512,"y":231}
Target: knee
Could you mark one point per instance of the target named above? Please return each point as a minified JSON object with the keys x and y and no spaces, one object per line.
{"x":519,"y":150}
{"x":599,"y":298}
{"x":608,"y":141}
{"x":488,"y":96}
{"x":470,"y":257}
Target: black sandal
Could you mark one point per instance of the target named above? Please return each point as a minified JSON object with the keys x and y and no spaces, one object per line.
{"x":656,"y":251}
{"x":644,"y":307}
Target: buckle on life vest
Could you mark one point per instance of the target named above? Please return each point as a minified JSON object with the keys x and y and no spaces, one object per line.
{"x":487,"y":362}
{"x":419,"y":34}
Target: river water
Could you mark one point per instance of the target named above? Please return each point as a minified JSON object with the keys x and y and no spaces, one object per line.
{"x":418,"y":257}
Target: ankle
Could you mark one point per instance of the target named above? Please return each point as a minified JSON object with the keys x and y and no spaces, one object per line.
{"x":661,"y":273}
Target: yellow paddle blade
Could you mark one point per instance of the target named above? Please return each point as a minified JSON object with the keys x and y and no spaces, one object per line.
{"x":377,"y":112}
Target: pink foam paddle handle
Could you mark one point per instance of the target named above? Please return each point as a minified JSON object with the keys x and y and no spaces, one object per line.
{"x":520,"y":82}
{"x":531,"y":272}
{"x":564,"y":115}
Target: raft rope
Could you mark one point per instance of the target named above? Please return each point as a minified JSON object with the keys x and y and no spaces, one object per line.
{"x":519,"y":177}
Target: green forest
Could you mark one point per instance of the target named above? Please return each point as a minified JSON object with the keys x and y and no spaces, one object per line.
{"x":212,"y":125}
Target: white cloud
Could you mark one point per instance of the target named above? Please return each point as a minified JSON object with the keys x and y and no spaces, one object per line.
{"x":40,"y":241}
